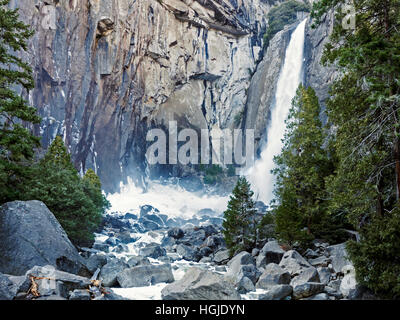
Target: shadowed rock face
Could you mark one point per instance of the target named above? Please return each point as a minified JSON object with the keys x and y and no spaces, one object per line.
{"x":113,"y":69}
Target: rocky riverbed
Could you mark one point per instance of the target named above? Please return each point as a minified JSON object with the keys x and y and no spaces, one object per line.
{"x":148,"y":255}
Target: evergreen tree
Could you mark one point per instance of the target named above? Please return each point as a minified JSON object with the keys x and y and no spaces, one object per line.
{"x":302,"y":167}
{"x":16,"y":142}
{"x":76,"y":203}
{"x":364,"y":110}
{"x":240,"y":225}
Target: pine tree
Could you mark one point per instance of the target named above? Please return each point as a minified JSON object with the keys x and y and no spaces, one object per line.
{"x":76,"y":203}
{"x":302,"y":167}
{"x":16,"y":142}
{"x":240,"y":225}
{"x":364,"y":110}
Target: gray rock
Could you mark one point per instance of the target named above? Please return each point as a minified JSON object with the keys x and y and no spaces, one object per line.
{"x":273,"y":275}
{"x":320,"y":261}
{"x":138,"y":260}
{"x":245,"y":285}
{"x":294,"y":263}
{"x":220,"y":268}
{"x":240,"y":259}
{"x":109,"y":272}
{"x":176,"y":233}
{"x":79,"y":295}
{"x":338,"y":256}
{"x":248,"y":271}
{"x":152,"y":251}
{"x":112,"y":241}
{"x":120,"y":248}
{"x":188,"y":253}
{"x":311,"y":254}
{"x":51,"y":298}
{"x":272,"y":252}
{"x":142,"y":276}
{"x":221,"y":257}
{"x":214,"y":242}
{"x":255,"y":252}
{"x":307,"y":275}
{"x":307,"y":290}
{"x":46,"y":244}
{"x":276,"y":292}
{"x":332,"y":292}
{"x":324,"y":275}
{"x":7,"y":291}
{"x":96,"y":261}
{"x":198,"y":284}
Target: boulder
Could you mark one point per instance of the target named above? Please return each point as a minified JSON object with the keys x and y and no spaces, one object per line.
{"x":324,"y":275}
{"x":241,"y":259}
{"x":255,"y":252}
{"x":307,"y":290}
{"x":321,"y":261}
{"x":214,"y":242}
{"x":273,"y":275}
{"x":152,"y":251}
{"x":349,"y":284}
{"x":7,"y":291}
{"x":46,"y":243}
{"x":176,"y":233}
{"x":247,"y":271}
{"x":339,"y":257}
{"x":55,"y":282}
{"x":245,"y":285}
{"x":188,"y":253}
{"x":146,"y":275}
{"x":221,"y":257}
{"x":294,"y":263}
{"x":210,"y":230}
{"x":272,"y":253}
{"x":138,"y":260}
{"x":319,"y":296}
{"x":96,"y":261}
{"x":307,"y":275}
{"x":198,"y":284}
{"x":109,"y":272}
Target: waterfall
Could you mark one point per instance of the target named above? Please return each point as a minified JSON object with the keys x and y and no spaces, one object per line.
{"x":259,"y":175}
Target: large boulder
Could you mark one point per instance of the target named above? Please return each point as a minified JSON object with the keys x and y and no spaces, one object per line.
{"x":55,"y":282}
{"x":339,"y":257}
{"x":188,"y":253}
{"x":270,"y":253}
{"x":240,"y":259}
{"x":46,"y":243}
{"x":109,"y":272}
{"x":145,"y":275}
{"x":294,"y":263}
{"x":96,"y":261}
{"x":198,"y":284}
{"x":221,"y":257}
{"x":273,"y":275}
{"x":307,"y":275}
{"x":176,"y":233}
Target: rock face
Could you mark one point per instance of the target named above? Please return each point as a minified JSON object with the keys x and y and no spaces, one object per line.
{"x":46,"y":243}
{"x":199,"y":284}
{"x":107,"y":71}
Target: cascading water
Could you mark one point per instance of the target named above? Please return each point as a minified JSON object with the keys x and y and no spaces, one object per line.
{"x":260,"y":176}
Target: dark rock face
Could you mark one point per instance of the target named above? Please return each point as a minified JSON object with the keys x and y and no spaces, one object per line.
{"x":31,"y":236}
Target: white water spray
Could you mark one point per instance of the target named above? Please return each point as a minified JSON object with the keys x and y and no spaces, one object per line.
{"x":259,"y":175}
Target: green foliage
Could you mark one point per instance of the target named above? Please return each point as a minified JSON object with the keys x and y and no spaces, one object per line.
{"x":16,"y":142}
{"x":282,"y":15}
{"x":302,"y":167}
{"x":76,"y":203}
{"x":364,"y":112}
{"x":377,"y":256}
{"x":240,"y":224}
